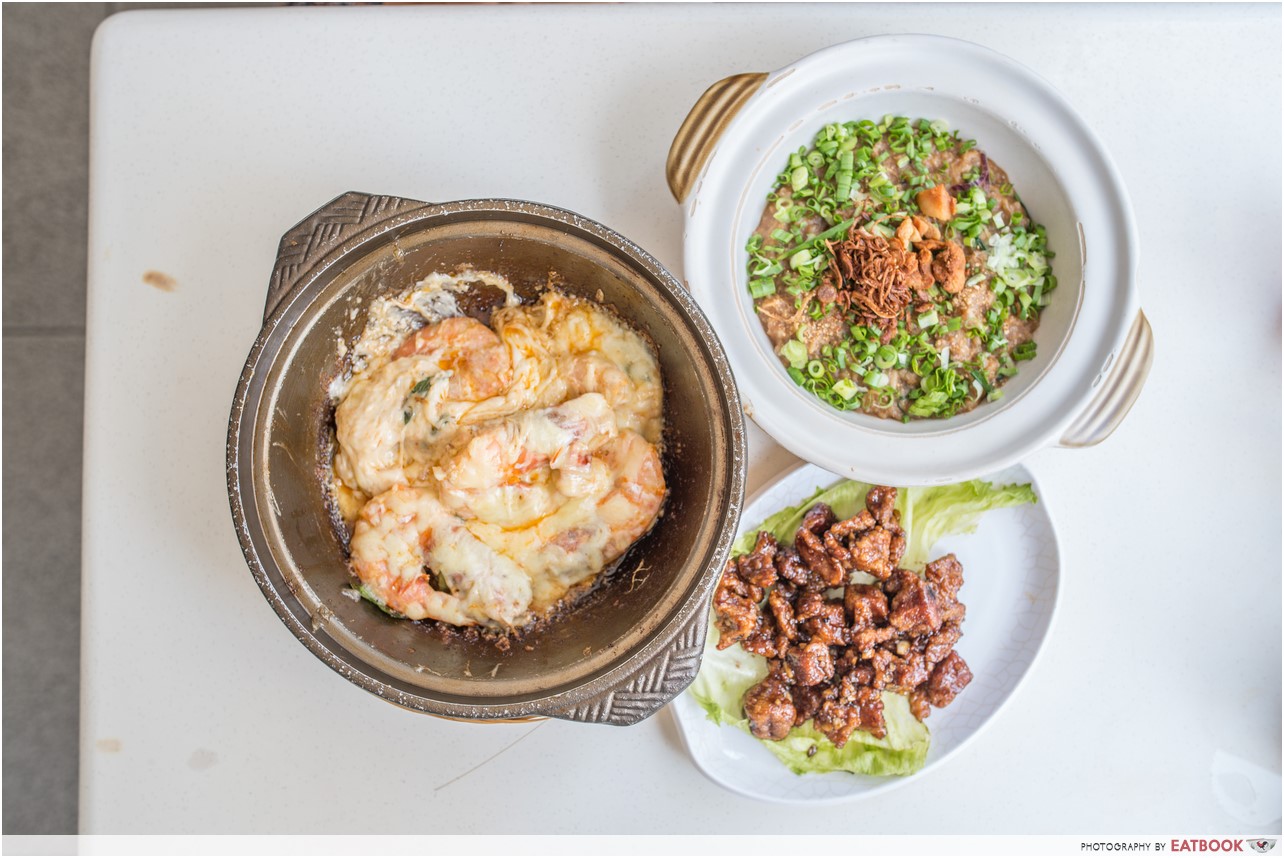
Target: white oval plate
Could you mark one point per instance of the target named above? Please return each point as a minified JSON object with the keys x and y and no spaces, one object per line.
{"x":1011,"y":573}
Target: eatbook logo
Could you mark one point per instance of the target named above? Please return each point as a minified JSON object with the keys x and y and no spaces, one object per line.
{"x":1262,"y":846}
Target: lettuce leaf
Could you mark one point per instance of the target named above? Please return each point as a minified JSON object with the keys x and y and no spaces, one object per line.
{"x":927,"y":514}
{"x":931,"y":513}
{"x":845,"y":499}
{"x":725,"y":676}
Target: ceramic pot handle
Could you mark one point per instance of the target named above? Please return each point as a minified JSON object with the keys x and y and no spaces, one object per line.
{"x":651,"y":686}
{"x":703,"y":126}
{"x":344,"y":217}
{"x":1118,"y":391}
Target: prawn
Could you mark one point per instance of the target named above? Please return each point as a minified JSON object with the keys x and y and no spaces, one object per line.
{"x":636,"y":401}
{"x":634,"y":502}
{"x":479,"y":364}
{"x":404,"y":532}
{"x":586,"y":533}
{"x":454,"y":362}
{"x":522,"y":468}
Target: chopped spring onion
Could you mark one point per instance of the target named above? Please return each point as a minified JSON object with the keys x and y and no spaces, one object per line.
{"x":832,"y":232}
{"x":885,"y":358}
{"x":842,"y":179}
{"x":795,"y":352}
{"x":845,"y":388}
{"x":798,"y":178}
{"x":799,"y":259}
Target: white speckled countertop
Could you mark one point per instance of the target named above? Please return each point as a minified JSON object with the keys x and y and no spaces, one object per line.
{"x":1156,"y":706}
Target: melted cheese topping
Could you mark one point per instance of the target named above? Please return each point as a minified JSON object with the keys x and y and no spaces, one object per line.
{"x":537,"y":437}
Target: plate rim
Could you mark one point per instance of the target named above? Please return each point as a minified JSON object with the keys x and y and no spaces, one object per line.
{"x":891,"y":782}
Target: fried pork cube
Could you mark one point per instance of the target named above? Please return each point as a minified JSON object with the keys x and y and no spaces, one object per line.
{"x":940,"y":644}
{"x":836,"y":537}
{"x":881,"y":502}
{"x":866,"y":605}
{"x":828,"y":629}
{"x":872,"y":553}
{"x":836,"y":550}
{"x":915,"y":610}
{"x":919,"y":707}
{"x":758,"y":567}
{"x":865,"y":640}
{"x":733,"y":583}
{"x":897,"y":550}
{"x":949,"y":677}
{"x":810,"y":603}
{"x":807,"y":701}
{"x":946,"y":574}
{"x":863,"y":520}
{"x":766,"y":640}
{"x":839,"y":720}
{"x":818,"y":519}
{"x":905,"y":673}
{"x":793,"y":570}
{"x":825,"y":568}
{"x":770,"y":708}
{"x":820,"y":618}
{"x":735,"y":606}
{"x":783,"y":610}
{"x":812,"y":664}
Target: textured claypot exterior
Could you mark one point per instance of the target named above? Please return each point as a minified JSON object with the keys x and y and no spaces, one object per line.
{"x":636,"y":641}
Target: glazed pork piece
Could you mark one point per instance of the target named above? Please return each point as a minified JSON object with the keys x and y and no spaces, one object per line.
{"x":833,"y":645}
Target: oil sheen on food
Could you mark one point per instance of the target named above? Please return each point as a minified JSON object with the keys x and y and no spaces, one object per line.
{"x":488,"y":473}
{"x":896,"y":271}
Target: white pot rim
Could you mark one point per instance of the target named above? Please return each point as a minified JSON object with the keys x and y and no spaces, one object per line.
{"x":970,"y":83}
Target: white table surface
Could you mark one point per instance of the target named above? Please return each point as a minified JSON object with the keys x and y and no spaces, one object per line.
{"x":1156,"y":706}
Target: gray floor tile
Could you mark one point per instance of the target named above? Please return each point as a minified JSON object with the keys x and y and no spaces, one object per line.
{"x":46,"y":155}
{"x":43,"y":407}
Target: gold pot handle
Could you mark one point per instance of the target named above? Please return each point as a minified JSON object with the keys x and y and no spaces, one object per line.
{"x":703,"y":126}
{"x":1118,"y":392}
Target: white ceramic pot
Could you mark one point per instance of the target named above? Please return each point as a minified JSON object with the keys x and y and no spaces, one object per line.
{"x":1095,"y":345}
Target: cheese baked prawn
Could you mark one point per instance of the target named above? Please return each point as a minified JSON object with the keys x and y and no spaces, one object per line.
{"x":587,"y":532}
{"x":405,"y":532}
{"x":436,"y":376}
{"x":522,"y":468}
{"x":488,"y":472}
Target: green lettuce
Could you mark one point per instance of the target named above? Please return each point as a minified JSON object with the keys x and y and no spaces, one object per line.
{"x":845,"y":499}
{"x":932,"y":513}
{"x":927,"y":514}
{"x":725,"y":676}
